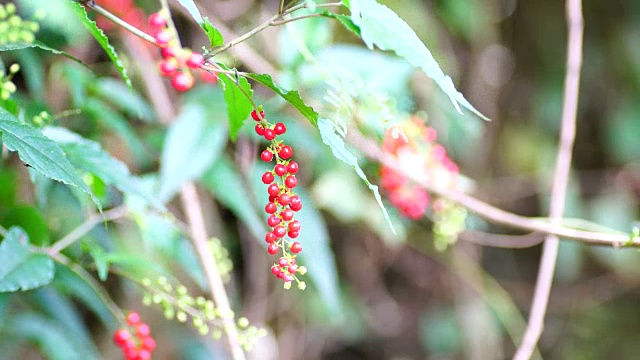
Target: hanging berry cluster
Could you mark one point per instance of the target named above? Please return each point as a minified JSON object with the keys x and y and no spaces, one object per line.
{"x":177,"y":62}
{"x":414,"y":146}
{"x":283,"y":202}
{"x":135,"y":340}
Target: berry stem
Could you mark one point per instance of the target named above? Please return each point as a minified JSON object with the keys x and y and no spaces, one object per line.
{"x":130,"y":28}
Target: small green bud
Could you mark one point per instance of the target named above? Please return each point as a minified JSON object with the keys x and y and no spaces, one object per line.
{"x":302,"y":270}
{"x":181,"y":316}
{"x":15,"y":21}
{"x":203,"y":330}
{"x":11,"y":8}
{"x":32,"y":26}
{"x":146,"y":300}
{"x":157,"y":299}
{"x":14,"y":68}
{"x":217,"y":334}
{"x":4,"y":94}
{"x":302,"y":285}
{"x":146,"y":282}
{"x":200,"y":301}
{"x":40,"y":14}
{"x":162,"y":280}
{"x":9,"y":86}
{"x":4,"y":26}
{"x":27,"y":36}
{"x":13,"y":36}
{"x":182,"y":290}
{"x":197,"y":321}
{"x":169,"y":313}
{"x":3,"y":12}
{"x":243,"y":322}
{"x":44,"y":115}
{"x":287,"y":285}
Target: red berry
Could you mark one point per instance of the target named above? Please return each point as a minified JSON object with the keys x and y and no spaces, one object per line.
{"x":267,"y":177}
{"x":286,"y":214}
{"x":283,"y":262}
{"x":292,"y":168}
{"x":275,"y":270}
{"x":254,"y":115}
{"x":293,"y":234}
{"x":281,"y":274}
{"x":168,"y":67}
{"x":129,"y":344}
{"x":168,"y":52}
{"x":149,"y":343}
{"x":157,"y":20}
{"x":293,"y":268}
{"x":272,"y":198}
{"x":294,"y":225}
{"x":143,"y":330}
{"x":291,"y":181}
{"x":296,"y":247}
{"x":287,"y":278}
{"x":280,"y":128}
{"x":271,"y":208}
{"x":272,"y":249}
{"x":269,"y":134}
{"x":273,"y":189}
{"x":280,"y":231}
{"x":286,"y":152}
{"x":284,"y":199}
{"x":144,"y":354}
{"x":280,"y":169}
{"x":270,"y":238}
{"x":259,"y":129}
{"x":163,"y":38}
{"x":121,"y":336}
{"x":295,"y":204}
{"x":273,"y":220}
{"x":131,"y":353}
{"x":266,"y":156}
{"x":133,"y":318}
{"x":195,"y":60}
{"x":182,"y":81}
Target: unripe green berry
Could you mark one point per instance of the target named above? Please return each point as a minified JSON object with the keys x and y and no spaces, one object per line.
{"x":15,"y":21}
{"x":14,"y":68}
{"x":181,"y":316}
{"x":302,"y":270}
{"x":243,"y":322}
{"x":11,"y":8}
{"x":287,"y":285}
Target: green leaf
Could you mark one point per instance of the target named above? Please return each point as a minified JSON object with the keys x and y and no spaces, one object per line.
{"x":235,"y":197}
{"x":192,"y":9}
{"x":291,"y":96}
{"x":39,"y":45}
{"x":336,"y":143}
{"x":345,"y":20}
{"x":238,"y":104}
{"x":215,"y":37}
{"x":103,"y":40}
{"x":381,"y":27}
{"x":39,"y":152}
{"x":21,"y":268}
{"x":89,"y":156}
{"x":191,"y":146}
{"x":114,"y":92}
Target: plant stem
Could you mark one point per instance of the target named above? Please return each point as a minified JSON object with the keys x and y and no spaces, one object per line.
{"x":77,"y":233}
{"x":285,"y":21}
{"x":195,"y":219}
{"x":492,"y":213}
{"x":130,"y":28}
{"x":561,"y":178}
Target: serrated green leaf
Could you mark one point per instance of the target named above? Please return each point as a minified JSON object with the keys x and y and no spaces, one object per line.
{"x":239,"y":106}
{"x":345,"y":20}
{"x":215,"y":37}
{"x":381,"y":27}
{"x":20,"y":268}
{"x":235,"y":197}
{"x":39,"y":152}
{"x":39,"y":45}
{"x":192,"y":9}
{"x":192,"y":144}
{"x":89,"y":156}
{"x":336,"y":143}
{"x":291,"y":96}
{"x":103,"y":40}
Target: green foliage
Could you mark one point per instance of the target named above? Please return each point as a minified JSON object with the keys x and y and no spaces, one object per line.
{"x":215,"y":37}
{"x":41,"y":46}
{"x":237,"y":95}
{"x":381,"y":27}
{"x":291,"y":96}
{"x":39,"y":152}
{"x":21,"y":268}
{"x":103,"y":40}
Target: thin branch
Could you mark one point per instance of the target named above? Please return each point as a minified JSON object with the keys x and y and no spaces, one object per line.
{"x":77,"y":233}
{"x":130,"y":28}
{"x":285,"y":21}
{"x":193,"y":211}
{"x":491,"y":213}
{"x":560,"y":181}
{"x":502,"y":241}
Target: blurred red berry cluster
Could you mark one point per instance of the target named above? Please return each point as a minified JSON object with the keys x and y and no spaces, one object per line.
{"x":135,"y":339}
{"x":417,"y":153}
{"x":124,"y":9}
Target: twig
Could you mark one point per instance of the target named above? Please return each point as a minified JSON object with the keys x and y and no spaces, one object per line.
{"x":77,"y":233}
{"x":285,"y":21}
{"x":502,"y":241}
{"x":491,"y":213}
{"x":130,"y":28}
{"x":560,"y":181}
{"x":193,"y":212}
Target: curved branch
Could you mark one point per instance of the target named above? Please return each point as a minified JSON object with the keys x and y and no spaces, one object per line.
{"x":502,"y":241}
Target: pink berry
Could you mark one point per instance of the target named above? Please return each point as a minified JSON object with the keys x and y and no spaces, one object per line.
{"x":144,"y":354}
{"x":271,"y":208}
{"x":273,"y":189}
{"x":292,"y":168}
{"x":296,"y":247}
{"x":270,"y":238}
{"x":286,"y":152}
{"x":254,"y":115}
{"x":162,"y":38}
{"x":293,"y":268}
{"x":157,"y":20}
{"x":267,"y":177}
{"x":291,"y":181}
{"x":287,"y":278}
{"x":284,"y":199}
{"x":182,"y":81}
{"x":295,"y":203}
{"x":275,"y":270}
{"x":272,"y":249}
{"x":273,"y":220}
{"x":269,"y":134}
{"x":283,"y":262}
{"x":259,"y":129}
{"x":168,"y":52}
{"x":280,"y":231}
{"x":280,"y":128}
{"x":294,"y":225}
{"x":133,"y":318}
{"x":286,"y":214}
{"x":121,"y":336}
{"x":280,"y":274}
{"x":280,"y":169}
{"x":195,"y":60}
{"x":293,"y":234}
{"x":168,"y":67}
{"x":208,"y":77}
{"x":143,"y":330}
{"x":150,"y":344}
{"x":266,"y":156}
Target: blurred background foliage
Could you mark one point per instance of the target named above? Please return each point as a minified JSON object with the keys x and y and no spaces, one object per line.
{"x":372,"y":294}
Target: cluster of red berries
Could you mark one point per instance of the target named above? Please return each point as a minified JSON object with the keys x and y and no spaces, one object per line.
{"x":413,"y":144}
{"x":135,"y":340}
{"x":283,"y":202}
{"x":124,"y":9}
{"x":177,"y":62}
